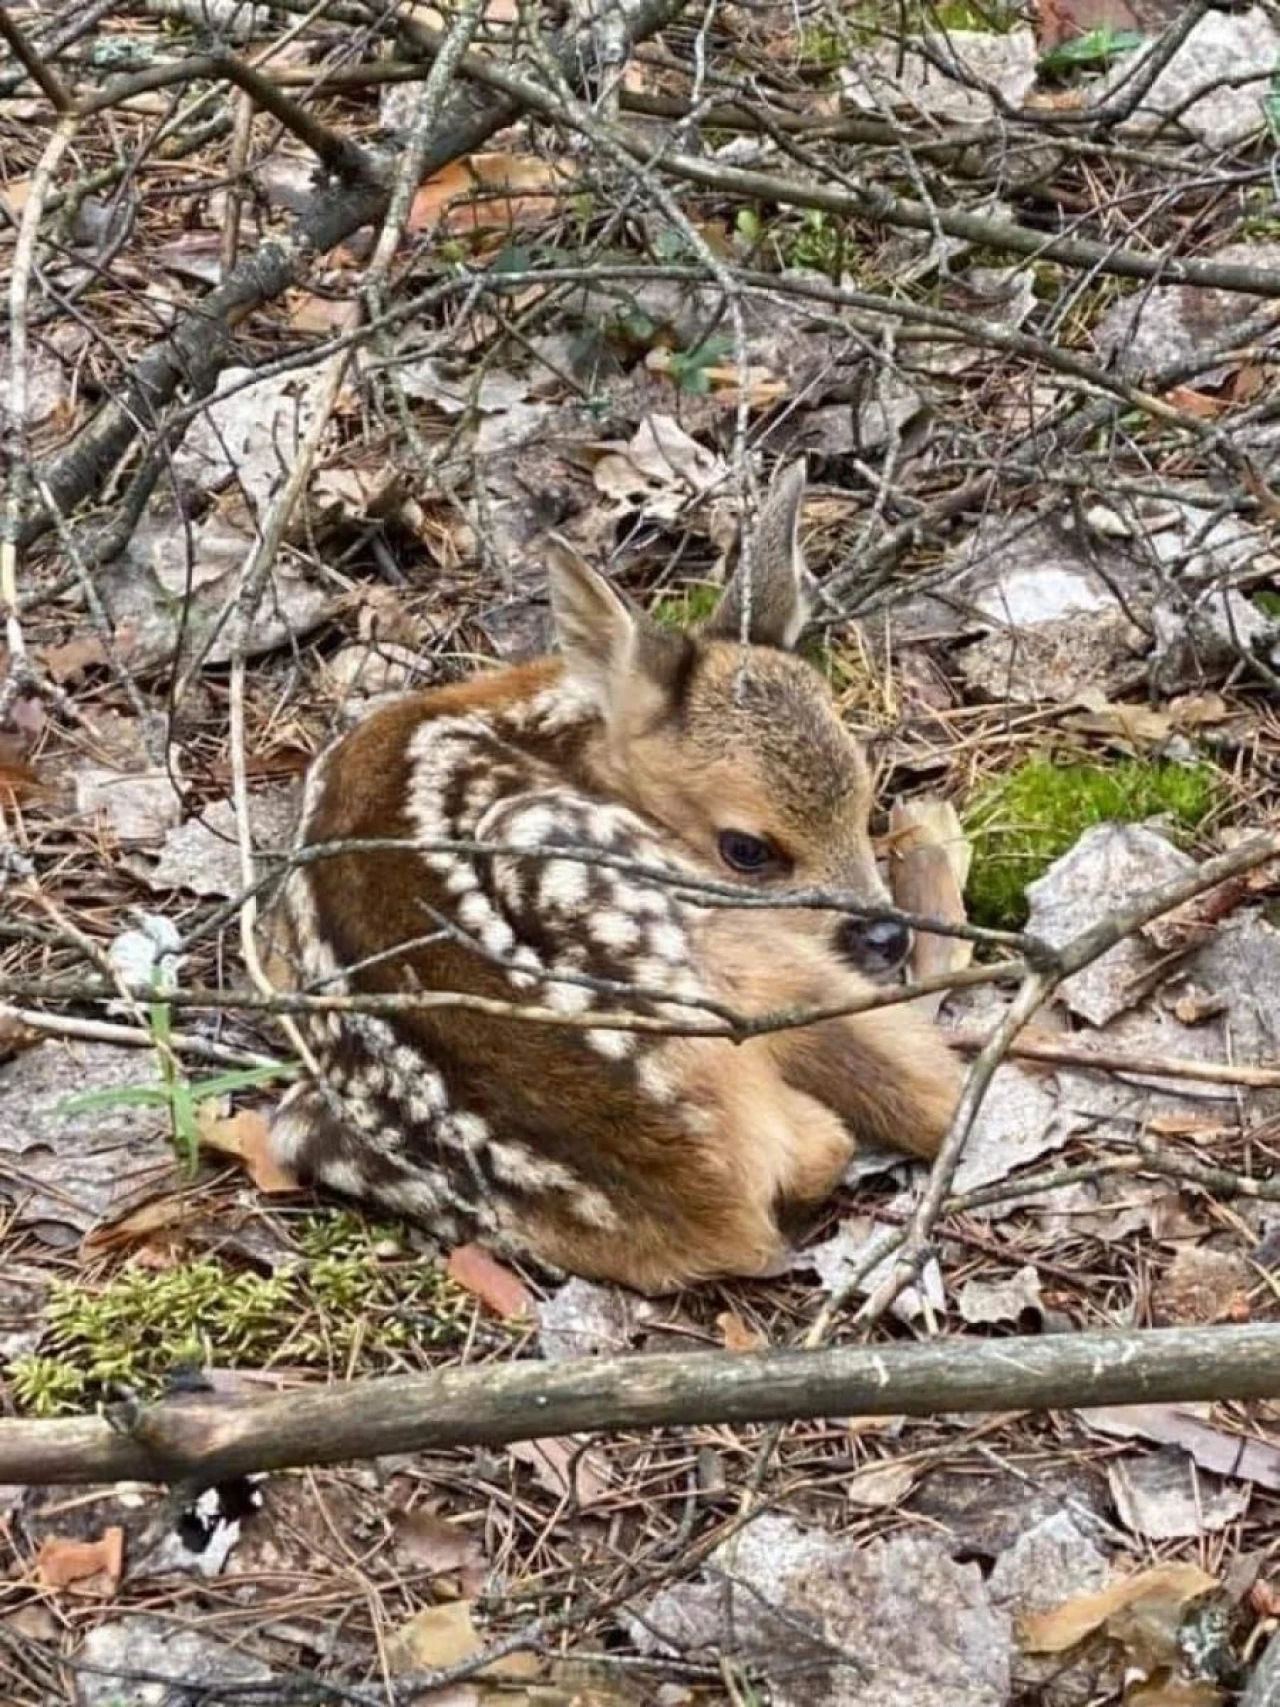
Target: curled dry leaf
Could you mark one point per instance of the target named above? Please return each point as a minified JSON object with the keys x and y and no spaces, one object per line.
{"x":880,"y":1487}
{"x":245,"y":1136}
{"x":441,"y":1636}
{"x":1188,"y":1426}
{"x":1161,"y":1498}
{"x":91,"y":1567}
{"x":486,"y":1279}
{"x":565,"y":1467}
{"x":1170,"y":1587}
{"x":427,"y":1542}
{"x":737,"y":1336}
{"x":929,"y":859}
{"x":485,"y":192}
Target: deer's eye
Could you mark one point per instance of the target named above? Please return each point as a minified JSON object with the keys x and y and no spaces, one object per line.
{"x":743,"y":852}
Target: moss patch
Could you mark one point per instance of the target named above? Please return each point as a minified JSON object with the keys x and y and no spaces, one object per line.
{"x":344,"y":1303}
{"x":684,"y":606}
{"x":1024,"y":821}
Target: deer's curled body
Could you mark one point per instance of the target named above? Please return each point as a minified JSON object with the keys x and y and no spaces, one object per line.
{"x":646,"y":1157}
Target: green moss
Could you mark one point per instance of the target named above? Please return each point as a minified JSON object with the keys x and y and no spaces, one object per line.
{"x":1267,"y":601}
{"x":1027,"y":819}
{"x":683,"y":606}
{"x":345,"y":1301}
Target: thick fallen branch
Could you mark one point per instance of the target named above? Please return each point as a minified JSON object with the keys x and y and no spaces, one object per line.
{"x":197,"y":1440}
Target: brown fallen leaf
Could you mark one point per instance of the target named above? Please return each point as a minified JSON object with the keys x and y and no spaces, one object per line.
{"x":64,"y":663}
{"x":737,"y":1336}
{"x":446,"y":1635}
{"x":245,"y":1136}
{"x":487,"y":191}
{"x":430,"y":1543}
{"x":565,"y":1468}
{"x":486,"y":1279}
{"x":929,"y":858}
{"x":19,"y":781}
{"x":1075,"y":1620}
{"x":158,"y":1215}
{"x":322,"y":314}
{"x":91,"y":1567}
{"x":1198,"y":403}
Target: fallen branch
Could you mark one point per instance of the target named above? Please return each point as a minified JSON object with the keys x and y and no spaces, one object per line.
{"x":201,"y":344}
{"x":202,"y":1441}
{"x":1064,"y":1052}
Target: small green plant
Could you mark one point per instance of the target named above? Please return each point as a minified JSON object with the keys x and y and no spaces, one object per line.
{"x":1093,"y":51}
{"x":683,"y":606}
{"x":179,"y":1095}
{"x":688,"y":368}
{"x":820,"y":245}
{"x":351,"y":1294}
{"x":1025,"y":820}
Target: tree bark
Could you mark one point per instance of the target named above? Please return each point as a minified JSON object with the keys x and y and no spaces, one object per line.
{"x":194,"y":1439}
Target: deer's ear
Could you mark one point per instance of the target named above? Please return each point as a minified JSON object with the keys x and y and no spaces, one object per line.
{"x":781,"y":589}
{"x":612,"y":650}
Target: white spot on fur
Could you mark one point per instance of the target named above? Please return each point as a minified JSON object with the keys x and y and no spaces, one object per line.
{"x":654,"y":1077}
{"x":470,"y":1130}
{"x":611,"y":928}
{"x":565,"y":885}
{"x":665,"y":939}
{"x":530,"y":828}
{"x":569,"y":998}
{"x":339,"y":1173}
{"x":524,"y":1169}
{"x":613,"y":1045}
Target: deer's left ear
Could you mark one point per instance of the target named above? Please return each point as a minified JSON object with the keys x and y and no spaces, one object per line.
{"x":781,"y":588}
{"x":623,"y":659}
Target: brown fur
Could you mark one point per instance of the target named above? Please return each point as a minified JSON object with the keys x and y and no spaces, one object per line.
{"x":685,"y":1158}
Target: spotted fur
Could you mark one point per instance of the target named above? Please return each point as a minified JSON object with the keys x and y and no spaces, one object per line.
{"x":636,"y":1155}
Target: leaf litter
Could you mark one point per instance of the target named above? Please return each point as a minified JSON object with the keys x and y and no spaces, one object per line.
{"x":1116,"y":606}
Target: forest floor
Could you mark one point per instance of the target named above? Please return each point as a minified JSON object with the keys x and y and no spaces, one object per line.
{"x":1009,"y":280}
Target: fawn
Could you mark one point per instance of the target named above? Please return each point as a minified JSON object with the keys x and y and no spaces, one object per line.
{"x":649,"y":1158}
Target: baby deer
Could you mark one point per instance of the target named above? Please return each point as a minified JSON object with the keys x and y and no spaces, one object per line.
{"x":642,"y":1156}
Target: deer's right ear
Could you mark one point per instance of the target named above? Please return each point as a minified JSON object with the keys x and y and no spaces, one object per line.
{"x":631,"y":667}
{"x":595,"y":628}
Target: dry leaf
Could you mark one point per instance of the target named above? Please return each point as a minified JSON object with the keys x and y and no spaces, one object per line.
{"x":322,"y":314}
{"x":737,"y":1335}
{"x":880,"y":1487}
{"x":157,"y":1215}
{"x":1071,"y":1623}
{"x":1198,"y":403}
{"x":245,"y":1136}
{"x":1202,"y":1286}
{"x":446,"y":1635}
{"x":1180,"y":1425}
{"x":64,"y":663}
{"x":94,"y":1567}
{"x":565,"y":1468}
{"x":18,"y":780}
{"x":514,"y":190}
{"x":430,"y":1543}
{"x":486,"y":1279}
{"x":929,"y":858}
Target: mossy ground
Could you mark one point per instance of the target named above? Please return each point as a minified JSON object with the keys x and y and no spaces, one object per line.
{"x":1026,"y":819}
{"x":352,"y":1300}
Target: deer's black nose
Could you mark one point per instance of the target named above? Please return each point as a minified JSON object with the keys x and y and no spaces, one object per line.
{"x":874,"y":946}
